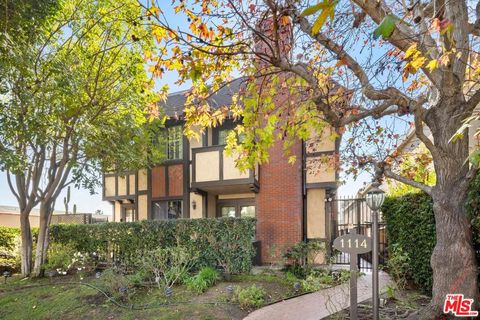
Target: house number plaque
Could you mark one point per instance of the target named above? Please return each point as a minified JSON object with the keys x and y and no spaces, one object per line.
{"x":353,"y":244}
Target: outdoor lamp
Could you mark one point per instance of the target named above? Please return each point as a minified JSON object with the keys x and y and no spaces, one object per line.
{"x":229,"y":289}
{"x":374,"y":198}
{"x":168,"y":292}
{"x":6,"y":274}
{"x":194,"y":205}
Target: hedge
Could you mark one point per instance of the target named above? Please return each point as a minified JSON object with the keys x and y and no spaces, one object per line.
{"x":410,"y":226}
{"x":220,"y":241}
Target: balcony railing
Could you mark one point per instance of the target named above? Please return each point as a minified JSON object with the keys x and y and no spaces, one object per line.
{"x":214,"y":171}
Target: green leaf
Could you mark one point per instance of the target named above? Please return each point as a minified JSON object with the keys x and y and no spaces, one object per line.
{"x":474,"y":157}
{"x":386,"y":27}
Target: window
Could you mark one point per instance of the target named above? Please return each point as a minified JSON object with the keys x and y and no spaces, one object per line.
{"x":236,"y":208}
{"x":167,"y":209}
{"x":174,"y":143}
{"x":223,"y":136}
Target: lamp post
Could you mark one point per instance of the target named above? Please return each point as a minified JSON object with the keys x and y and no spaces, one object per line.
{"x":374,"y":198}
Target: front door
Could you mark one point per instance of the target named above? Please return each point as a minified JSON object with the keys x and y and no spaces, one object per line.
{"x":128,"y":212}
{"x":236,"y":208}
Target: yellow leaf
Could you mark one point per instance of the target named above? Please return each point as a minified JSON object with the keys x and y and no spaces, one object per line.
{"x":411,"y":50}
{"x":320,"y":21}
{"x":432,"y":65}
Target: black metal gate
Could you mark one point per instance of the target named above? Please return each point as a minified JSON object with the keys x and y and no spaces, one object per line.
{"x":347,"y":213}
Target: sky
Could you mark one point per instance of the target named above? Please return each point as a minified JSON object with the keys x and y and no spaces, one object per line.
{"x":89,"y":203}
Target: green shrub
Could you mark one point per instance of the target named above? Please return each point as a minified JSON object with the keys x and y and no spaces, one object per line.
{"x":117,"y":284}
{"x":250,"y":297}
{"x":399,"y":265}
{"x":205,"y":278}
{"x":223,"y":241}
{"x":319,"y":279}
{"x":410,"y":226}
{"x":301,"y":257}
{"x":169,"y":265}
{"x":59,"y":257}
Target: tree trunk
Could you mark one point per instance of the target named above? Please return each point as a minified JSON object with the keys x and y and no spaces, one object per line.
{"x":453,"y":260}
{"x":42,"y":241}
{"x":26,"y":248}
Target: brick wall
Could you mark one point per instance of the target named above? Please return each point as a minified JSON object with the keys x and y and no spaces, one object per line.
{"x":279,"y":203}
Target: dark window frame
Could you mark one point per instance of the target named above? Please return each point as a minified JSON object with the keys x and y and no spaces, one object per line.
{"x":182,"y":212}
{"x":237,"y":203}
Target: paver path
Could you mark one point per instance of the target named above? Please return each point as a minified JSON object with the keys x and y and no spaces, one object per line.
{"x":318,"y":305}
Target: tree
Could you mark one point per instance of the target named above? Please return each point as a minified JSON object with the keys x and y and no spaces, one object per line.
{"x":359,"y":66}
{"x":76,"y":100}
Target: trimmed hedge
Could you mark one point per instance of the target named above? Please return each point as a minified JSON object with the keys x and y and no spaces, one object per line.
{"x":410,"y":226}
{"x":222,"y":241}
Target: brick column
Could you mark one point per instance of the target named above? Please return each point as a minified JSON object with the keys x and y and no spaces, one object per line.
{"x":279,"y":202}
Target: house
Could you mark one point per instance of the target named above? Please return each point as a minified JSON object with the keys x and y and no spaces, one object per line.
{"x":198,"y":180}
{"x":10,"y":217}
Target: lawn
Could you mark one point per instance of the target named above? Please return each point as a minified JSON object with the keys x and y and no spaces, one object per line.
{"x":65,"y":297}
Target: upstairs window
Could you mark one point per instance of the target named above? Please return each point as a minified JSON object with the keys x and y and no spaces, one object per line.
{"x":223,"y":136}
{"x":174,"y":143}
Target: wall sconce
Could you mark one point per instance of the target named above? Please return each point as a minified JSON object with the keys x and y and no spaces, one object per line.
{"x":194,"y":205}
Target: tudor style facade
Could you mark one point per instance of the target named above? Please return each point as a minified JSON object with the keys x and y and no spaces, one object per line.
{"x":198,"y":180}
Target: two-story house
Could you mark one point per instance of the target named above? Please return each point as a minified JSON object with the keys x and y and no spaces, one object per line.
{"x":198,"y":180}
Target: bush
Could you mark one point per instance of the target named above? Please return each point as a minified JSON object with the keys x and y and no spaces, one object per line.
{"x":223,"y":241}
{"x":117,"y":284}
{"x":169,"y":265}
{"x":399,"y":265}
{"x":410,"y":226}
{"x":320,"y":279}
{"x":205,"y":278}
{"x":9,"y":249}
{"x":59,"y":257}
{"x":250,"y":297}
{"x":301,"y":257}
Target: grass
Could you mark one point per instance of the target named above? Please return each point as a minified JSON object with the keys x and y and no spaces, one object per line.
{"x":65,"y":298}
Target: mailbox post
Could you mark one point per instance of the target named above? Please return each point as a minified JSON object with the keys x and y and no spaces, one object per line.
{"x":353,"y":244}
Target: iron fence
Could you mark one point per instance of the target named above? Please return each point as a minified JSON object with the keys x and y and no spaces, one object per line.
{"x":347,"y":213}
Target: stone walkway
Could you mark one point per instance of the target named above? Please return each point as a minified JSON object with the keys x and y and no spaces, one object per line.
{"x":318,"y":305}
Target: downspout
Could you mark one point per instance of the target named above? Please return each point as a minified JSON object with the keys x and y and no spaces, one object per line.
{"x":304,"y":191}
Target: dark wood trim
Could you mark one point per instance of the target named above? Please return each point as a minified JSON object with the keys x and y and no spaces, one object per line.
{"x":149,"y":194}
{"x":135,"y":177}
{"x":205,"y":138}
{"x":220,"y":164}
{"x":186,"y":178}
{"x":322,"y":185}
{"x":320,"y":153}
{"x":103,"y":187}
{"x":118,"y":198}
{"x":142,"y":192}
{"x":116,"y":185}
{"x":167,"y":198}
{"x":304,"y":193}
{"x":127,"y":184}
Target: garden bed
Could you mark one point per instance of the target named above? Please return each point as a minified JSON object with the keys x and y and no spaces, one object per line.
{"x":404,"y":304}
{"x":74,"y":297}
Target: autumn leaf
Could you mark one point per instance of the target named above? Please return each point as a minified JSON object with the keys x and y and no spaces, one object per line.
{"x":314,"y":9}
{"x":432,"y":65}
{"x":328,"y":7}
{"x":386,"y":27}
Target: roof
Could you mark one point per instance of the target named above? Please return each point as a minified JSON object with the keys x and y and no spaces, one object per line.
{"x":175,"y":102}
{"x":34,"y":212}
